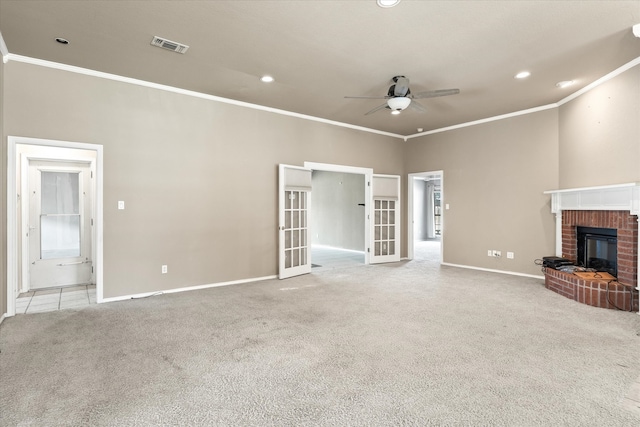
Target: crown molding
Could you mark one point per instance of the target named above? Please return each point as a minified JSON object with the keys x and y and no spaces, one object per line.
{"x":563,"y":101}
{"x":487,"y":120}
{"x":4,"y":51}
{"x":600,"y":81}
{"x":79,"y":70}
{"x":115,"y":77}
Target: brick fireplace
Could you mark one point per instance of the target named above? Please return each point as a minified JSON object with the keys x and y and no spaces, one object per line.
{"x":627,"y":227}
{"x":615,"y":207}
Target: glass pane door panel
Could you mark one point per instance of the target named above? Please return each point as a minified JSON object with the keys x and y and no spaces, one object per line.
{"x":59,"y":236}
{"x":384,"y":227}
{"x":295,"y":214}
{"x":60,"y":193}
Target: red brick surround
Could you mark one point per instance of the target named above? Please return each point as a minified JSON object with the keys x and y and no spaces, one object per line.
{"x":590,"y":291}
{"x":595,"y":292}
{"x":623,"y":221}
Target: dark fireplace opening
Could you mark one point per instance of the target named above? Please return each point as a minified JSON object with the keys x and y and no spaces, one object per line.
{"x":598,"y":249}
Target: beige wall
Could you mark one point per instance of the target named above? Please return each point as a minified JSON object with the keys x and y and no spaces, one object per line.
{"x":336,"y":218}
{"x":600,"y":134}
{"x":198,"y":177}
{"x":494,"y":176}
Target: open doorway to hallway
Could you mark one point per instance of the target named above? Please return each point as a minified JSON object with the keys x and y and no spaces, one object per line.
{"x":339,"y":225}
{"x":425,"y":216}
{"x":337,"y":220}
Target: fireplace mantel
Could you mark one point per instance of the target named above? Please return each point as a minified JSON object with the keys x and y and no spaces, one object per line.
{"x":621,"y":197}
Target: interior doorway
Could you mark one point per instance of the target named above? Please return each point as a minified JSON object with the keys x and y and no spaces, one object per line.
{"x":54,"y":216}
{"x":425,"y":216}
{"x":339,"y":225}
{"x":59,"y":221}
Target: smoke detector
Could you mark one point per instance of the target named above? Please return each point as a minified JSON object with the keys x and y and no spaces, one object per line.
{"x":169,"y":45}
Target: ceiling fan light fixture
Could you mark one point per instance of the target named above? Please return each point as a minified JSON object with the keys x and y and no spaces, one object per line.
{"x":398,"y":103}
{"x":396,"y":112}
{"x":387,"y":3}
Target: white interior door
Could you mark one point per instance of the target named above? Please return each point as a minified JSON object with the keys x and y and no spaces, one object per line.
{"x":385,"y":227}
{"x":59,"y":228}
{"x":294,"y":189}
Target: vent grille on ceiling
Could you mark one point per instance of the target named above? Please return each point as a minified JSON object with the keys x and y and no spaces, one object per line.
{"x":169,"y":45}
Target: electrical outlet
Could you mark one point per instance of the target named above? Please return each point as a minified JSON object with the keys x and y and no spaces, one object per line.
{"x":121,"y":204}
{"x":509,"y":255}
{"x":164,"y":269}
{"x":497,"y":254}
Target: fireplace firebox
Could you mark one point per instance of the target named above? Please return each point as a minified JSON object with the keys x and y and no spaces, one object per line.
{"x":598,"y":249}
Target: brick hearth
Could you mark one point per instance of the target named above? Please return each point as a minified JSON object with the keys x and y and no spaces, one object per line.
{"x":596,"y":293}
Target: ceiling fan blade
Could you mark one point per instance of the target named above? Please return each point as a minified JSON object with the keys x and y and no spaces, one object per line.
{"x":376,"y":109}
{"x":367,"y":97}
{"x":435,"y":93}
{"x":417,"y":106}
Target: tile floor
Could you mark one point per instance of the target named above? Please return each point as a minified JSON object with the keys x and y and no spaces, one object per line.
{"x":56,"y":299}
{"x":324,"y":257}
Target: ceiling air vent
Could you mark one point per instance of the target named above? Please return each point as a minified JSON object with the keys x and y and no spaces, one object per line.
{"x":169,"y":45}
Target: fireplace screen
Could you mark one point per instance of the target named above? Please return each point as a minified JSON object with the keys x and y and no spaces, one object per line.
{"x":598,"y":249}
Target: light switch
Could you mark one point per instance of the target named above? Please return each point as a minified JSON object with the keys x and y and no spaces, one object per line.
{"x":120,"y":204}
{"x":446,"y":206}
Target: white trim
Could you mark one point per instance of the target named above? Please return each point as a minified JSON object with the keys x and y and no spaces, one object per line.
{"x":599,"y":187}
{"x":368,"y":177}
{"x":338,"y":249}
{"x":563,"y":101}
{"x":4,"y":50}
{"x":189,"y":288}
{"x":600,"y":81}
{"x":490,"y":270}
{"x":618,"y":197}
{"x":12,"y":203}
{"x":108,"y":76}
{"x":49,"y":64}
{"x":4,"y":316}
{"x":487,"y":120}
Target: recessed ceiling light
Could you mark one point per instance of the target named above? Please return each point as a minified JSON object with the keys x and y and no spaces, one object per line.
{"x":61,"y":40}
{"x":395,"y":112}
{"x":266,"y":79}
{"x":565,"y":83}
{"x":387,"y":3}
{"x":522,"y":75}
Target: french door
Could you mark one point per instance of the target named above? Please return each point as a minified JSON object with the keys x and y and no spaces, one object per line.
{"x":59,"y":228}
{"x":294,"y":189}
{"x":385,"y":223}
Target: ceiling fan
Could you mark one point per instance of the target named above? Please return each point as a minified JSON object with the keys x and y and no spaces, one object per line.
{"x":399,"y":96}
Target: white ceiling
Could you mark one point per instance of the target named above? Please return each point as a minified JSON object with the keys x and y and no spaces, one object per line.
{"x":320,"y":51}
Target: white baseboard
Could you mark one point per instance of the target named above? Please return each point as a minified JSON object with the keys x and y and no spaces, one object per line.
{"x":2,"y":318}
{"x":512,"y":273}
{"x":188,"y":288}
{"x":336,"y":249}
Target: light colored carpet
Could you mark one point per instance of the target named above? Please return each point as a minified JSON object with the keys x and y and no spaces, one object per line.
{"x":410,"y":343}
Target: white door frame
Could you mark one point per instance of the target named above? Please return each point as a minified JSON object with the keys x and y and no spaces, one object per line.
{"x":45,"y":149}
{"x":368,"y":176}
{"x":411,"y":177}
